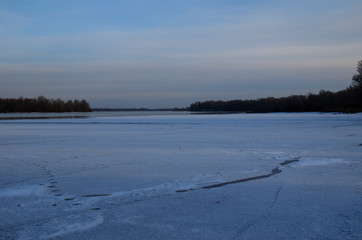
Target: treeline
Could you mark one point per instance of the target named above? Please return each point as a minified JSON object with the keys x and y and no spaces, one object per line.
{"x":348,"y":100}
{"x":42,"y":104}
{"x":137,"y":109}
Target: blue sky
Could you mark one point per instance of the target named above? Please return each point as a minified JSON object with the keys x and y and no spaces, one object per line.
{"x":168,"y":53}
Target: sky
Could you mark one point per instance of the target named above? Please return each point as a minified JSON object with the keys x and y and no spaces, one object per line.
{"x":171,"y":53}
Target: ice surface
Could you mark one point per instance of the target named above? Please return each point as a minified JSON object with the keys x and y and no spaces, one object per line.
{"x":280,"y":176}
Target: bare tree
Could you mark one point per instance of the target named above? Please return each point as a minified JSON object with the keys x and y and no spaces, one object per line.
{"x":357,"y":79}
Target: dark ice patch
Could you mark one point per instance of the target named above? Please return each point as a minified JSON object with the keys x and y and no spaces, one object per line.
{"x":97,"y":195}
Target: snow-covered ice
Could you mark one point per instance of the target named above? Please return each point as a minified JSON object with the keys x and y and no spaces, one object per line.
{"x":236,"y":176}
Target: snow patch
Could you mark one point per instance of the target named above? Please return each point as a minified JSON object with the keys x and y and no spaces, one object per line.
{"x":251,"y":171}
{"x":303,"y":162}
{"x":75,"y":227}
{"x":23,"y":191}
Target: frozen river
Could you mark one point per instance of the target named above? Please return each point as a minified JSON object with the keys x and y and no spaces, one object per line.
{"x":237,"y":176}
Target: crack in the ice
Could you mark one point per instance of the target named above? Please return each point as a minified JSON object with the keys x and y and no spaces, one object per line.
{"x":273,"y":172}
{"x":98,"y":195}
{"x":289,"y":161}
{"x":248,"y":225}
{"x":264,"y":216}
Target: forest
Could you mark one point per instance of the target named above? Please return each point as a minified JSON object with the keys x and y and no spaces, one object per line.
{"x":348,"y":100}
{"x":42,"y":104}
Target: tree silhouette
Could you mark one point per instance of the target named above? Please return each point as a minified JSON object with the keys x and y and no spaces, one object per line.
{"x":357,"y":79}
{"x":42,"y":104}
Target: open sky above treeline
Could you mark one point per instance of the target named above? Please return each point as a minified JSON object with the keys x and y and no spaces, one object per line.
{"x":169,"y":53}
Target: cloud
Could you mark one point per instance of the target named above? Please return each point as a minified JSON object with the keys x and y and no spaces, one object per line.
{"x":10,"y":22}
{"x":270,"y":52}
{"x":244,"y":35}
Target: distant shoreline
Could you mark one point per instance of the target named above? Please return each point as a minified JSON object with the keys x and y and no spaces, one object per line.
{"x":102,"y":114}
{"x":137,"y":109}
{"x":50,"y":117}
{"x":79,"y":115}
